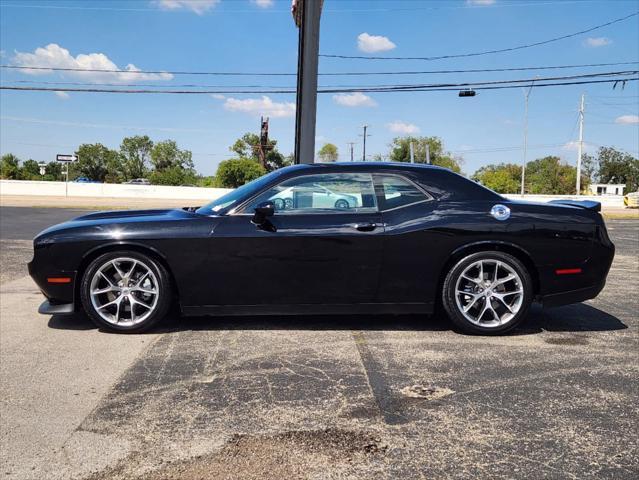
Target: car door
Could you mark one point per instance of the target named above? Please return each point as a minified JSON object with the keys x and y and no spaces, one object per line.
{"x":312,"y":252}
{"x":411,"y":247}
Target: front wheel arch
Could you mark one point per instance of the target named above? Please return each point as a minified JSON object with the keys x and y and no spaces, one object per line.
{"x":114,"y":247}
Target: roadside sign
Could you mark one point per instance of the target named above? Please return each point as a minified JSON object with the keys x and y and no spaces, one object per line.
{"x":65,"y":158}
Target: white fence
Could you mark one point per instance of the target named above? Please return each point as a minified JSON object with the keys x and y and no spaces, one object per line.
{"x":605,"y":200}
{"x":112,"y":190}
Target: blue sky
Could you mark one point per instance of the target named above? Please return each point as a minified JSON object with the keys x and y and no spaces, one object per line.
{"x":260,"y":36}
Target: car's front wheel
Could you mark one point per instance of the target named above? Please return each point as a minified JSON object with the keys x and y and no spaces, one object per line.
{"x":125,"y":291}
{"x":487,"y":293}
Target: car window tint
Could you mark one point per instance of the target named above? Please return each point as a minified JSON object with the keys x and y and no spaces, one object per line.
{"x":328,"y":192}
{"x":399,"y":192}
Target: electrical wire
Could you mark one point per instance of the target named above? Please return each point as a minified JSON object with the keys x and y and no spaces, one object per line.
{"x":489,"y":52}
{"x":376,"y":88}
{"x":284,"y":74}
{"x":355,"y":87}
{"x":425,"y":88}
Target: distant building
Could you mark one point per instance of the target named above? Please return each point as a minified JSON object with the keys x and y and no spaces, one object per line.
{"x":607,"y":188}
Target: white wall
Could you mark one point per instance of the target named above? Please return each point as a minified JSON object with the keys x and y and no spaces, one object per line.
{"x":58,"y":189}
{"x":605,"y":200}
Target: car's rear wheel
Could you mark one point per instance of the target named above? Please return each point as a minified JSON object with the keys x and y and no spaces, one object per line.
{"x":487,"y":293}
{"x":125,"y":291}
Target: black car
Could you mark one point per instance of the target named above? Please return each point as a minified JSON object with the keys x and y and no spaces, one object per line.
{"x":417,"y":238}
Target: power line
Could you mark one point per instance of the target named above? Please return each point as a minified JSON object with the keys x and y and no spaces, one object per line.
{"x":490,"y":52}
{"x":355,"y":87}
{"x":370,"y":89}
{"x":285,"y":74}
{"x":425,"y":88}
{"x":287,"y":11}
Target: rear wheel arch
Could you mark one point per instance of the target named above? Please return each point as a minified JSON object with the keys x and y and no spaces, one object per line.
{"x":114,"y":247}
{"x":491,"y":246}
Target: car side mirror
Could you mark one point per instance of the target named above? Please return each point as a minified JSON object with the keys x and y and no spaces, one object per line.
{"x":262,"y":212}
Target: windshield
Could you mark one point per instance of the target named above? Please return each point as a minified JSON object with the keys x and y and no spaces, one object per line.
{"x":228,"y":201}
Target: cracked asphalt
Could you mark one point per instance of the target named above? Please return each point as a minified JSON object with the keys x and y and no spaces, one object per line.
{"x":318,"y":397}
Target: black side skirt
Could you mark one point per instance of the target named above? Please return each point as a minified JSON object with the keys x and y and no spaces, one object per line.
{"x":310,"y":309}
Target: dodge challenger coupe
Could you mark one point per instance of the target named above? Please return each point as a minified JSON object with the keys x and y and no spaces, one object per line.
{"x":417,"y":238}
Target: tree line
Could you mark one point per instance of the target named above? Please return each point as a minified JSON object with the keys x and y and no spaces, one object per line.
{"x":164,"y":163}
{"x":549,"y":175}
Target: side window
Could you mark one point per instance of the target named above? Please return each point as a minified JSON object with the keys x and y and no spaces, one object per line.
{"x":327,"y":192}
{"x":398,"y":192}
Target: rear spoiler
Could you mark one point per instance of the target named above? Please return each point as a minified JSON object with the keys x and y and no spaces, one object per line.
{"x":587,"y":204}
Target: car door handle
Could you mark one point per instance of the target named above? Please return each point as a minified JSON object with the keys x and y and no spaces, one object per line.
{"x":366,"y":227}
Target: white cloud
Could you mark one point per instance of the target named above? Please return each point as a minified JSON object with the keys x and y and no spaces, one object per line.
{"x":597,"y":42}
{"x":572,"y":146}
{"x":480,"y":3}
{"x":374,"y":43}
{"x":627,"y":119}
{"x":402,"y":127}
{"x":357,"y":99}
{"x":197,"y":6}
{"x":54,"y":56}
{"x":263,"y":3}
{"x":218,"y":96}
{"x":261,"y":106}
{"x":62,"y":95}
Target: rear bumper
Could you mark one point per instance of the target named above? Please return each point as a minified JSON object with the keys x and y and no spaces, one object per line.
{"x":48,"y":308}
{"x":571,"y":296}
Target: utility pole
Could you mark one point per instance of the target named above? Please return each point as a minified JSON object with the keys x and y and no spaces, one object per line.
{"x":427,"y":153}
{"x":263,"y":146}
{"x":365,"y":127}
{"x":412,"y":153}
{"x":351,"y":144}
{"x":306,"y":14}
{"x":523,"y":166}
{"x":581,"y":142}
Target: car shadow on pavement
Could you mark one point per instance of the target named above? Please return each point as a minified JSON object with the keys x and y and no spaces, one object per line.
{"x":580,"y":317}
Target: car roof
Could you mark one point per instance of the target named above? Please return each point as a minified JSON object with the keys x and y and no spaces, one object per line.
{"x":367,"y":166}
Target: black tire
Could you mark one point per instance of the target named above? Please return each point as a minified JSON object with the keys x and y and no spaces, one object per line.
{"x":342,"y":204}
{"x":163,"y":287}
{"x":457,"y":316}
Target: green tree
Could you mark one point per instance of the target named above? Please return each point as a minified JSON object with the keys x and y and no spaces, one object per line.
{"x":95,"y":162}
{"x":135,"y":152}
{"x":166,"y":154}
{"x":174,"y":175}
{"x":618,"y":167}
{"x":328,"y":153}
{"x":53,"y":171}
{"x":238,"y":171}
{"x":248,"y":146}
{"x":502,"y":178}
{"x":550,"y":176}
{"x":10,"y":167}
{"x":400,"y":152}
{"x":30,"y":170}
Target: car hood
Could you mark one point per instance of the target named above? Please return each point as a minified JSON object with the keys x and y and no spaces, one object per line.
{"x":100,"y":219}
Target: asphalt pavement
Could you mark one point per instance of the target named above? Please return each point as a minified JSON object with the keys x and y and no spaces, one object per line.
{"x":318,"y":397}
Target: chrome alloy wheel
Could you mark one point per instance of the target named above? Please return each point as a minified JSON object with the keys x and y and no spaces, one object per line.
{"x":489,"y":293}
{"x":124,"y":291}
